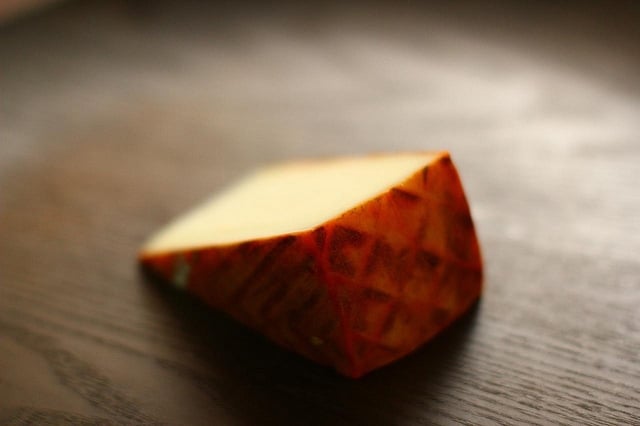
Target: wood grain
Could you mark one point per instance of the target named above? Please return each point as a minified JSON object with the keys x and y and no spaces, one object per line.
{"x":115,"y":116}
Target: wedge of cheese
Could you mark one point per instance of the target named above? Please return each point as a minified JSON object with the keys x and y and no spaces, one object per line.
{"x":351,"y":262}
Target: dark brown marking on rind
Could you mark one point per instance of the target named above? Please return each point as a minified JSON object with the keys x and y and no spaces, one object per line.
{"x":341,"y":264}
{"x":421,"y":232}
{"x":428,"y":259}
{"x":372,"y":259}
{"x":343,"y":236}
{"x":279,"y":276}
{"x":405,"y":195}
{"x":270,"y":302}
{"x":380,"y":253}
{"x":425,"y":176}
{"x":461,"y":231}
{"x":446,"y":160}
{"x":371,"y":293}
{"x":282,"y":283}
{"x":466,"y":221}
{"x":402,"y":266}
{"x":320,"y":236}
{"x":387,"y":254}
{"x":246,"y":247}
{"x":295,"y":315}
{"x":267,"y":262}
{"x":389,"y":321}
{"x":397,"y":263}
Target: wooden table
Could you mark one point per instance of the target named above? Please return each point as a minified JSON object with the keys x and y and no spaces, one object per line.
{"x":115,"y":116}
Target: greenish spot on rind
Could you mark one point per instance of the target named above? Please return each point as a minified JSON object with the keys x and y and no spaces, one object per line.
{"x":181,"y":270}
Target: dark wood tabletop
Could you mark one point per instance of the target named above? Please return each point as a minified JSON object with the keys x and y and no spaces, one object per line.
{"x":115,"y":116}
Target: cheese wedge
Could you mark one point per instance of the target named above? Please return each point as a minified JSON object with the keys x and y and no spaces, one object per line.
{"x":351,"y":262}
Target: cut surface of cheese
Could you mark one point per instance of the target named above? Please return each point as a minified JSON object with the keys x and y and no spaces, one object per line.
{"x":350,"y":262}
{"x":287,"y":199}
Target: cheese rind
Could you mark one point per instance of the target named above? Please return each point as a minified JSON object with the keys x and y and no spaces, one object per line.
{"x":356,"y":287}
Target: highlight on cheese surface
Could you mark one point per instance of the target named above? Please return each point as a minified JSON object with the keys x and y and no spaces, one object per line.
{"x":351,"y":262}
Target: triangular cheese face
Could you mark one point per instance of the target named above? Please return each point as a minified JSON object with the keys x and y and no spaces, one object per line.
{"x":351,"y":262}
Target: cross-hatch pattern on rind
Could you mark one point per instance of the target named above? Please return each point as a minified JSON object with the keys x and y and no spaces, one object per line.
{"x":358,"y":291}
{"x":373,"y":307}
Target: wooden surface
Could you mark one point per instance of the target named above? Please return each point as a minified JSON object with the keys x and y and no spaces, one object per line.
{"x":115,"y":116}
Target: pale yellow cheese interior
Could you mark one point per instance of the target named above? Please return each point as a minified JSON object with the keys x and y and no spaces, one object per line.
{"x":287,"y":199}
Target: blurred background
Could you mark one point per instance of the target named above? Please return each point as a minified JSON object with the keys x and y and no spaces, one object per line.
{"x":192,"y":94}
{"x":117,"y":115}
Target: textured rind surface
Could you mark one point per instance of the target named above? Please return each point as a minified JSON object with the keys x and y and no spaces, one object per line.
{"x":358,"y":291}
